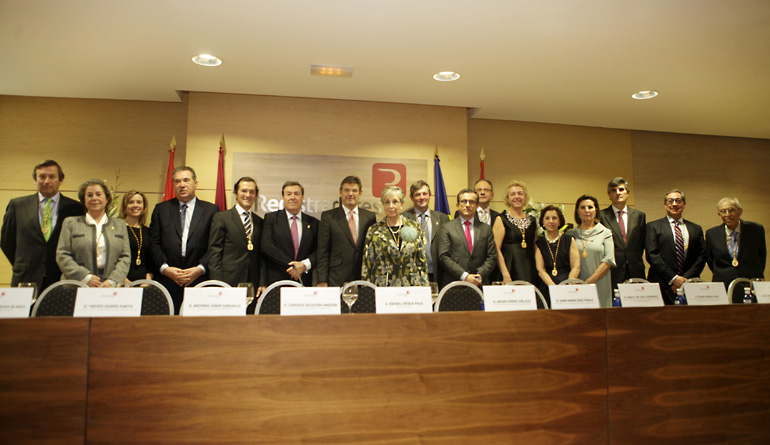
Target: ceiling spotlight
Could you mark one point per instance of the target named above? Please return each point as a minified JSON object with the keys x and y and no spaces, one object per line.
{"x":446,"y":76}
{"x":331,"y":70}
{"x":644,"y":95}
{"x":207,"y":60}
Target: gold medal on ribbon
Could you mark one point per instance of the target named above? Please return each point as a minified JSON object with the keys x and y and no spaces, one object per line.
{"x":250,"y":246}
{"x":138,"y":261}
{"x":553,"y":272}
{"x":585,"y":254}
{"x":735,"y":262}
{"x":523,"y":244}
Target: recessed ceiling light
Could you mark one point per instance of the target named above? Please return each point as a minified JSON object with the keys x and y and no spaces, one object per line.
{"x":206,"y":60}
{"x":644,"y":94}
{"x":331,"y":70}
{"x":446,"y":76}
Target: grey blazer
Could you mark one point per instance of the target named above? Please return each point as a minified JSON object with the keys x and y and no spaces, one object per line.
{"x":76,"y":253}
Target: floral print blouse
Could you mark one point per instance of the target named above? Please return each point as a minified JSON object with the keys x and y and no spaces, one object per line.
{"x":388,"y":264}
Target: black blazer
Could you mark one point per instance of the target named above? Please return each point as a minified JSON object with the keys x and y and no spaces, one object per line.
{"x":659,"y":244}
{"x":454,"y":256}
{"x":437,"y":219}
{"x":752,"y":253}
{"x":32,"y":257}
{"x":278,"y":248}
{"x":230,"y":260}
{"x":339,"y":258}
{"x":629,"y":253}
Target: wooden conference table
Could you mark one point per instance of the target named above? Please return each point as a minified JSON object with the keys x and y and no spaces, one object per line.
{"x":657,"y":375}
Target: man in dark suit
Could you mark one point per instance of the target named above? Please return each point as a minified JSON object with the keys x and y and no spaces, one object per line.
{"x":180,"y":231}
{"x":31,"y":228}
{"x":235,"y":240}
{"x":628,"y":230}
{"x":466,"y":247}
{"x":341,"y":236}
{"x":736,"y":248}
{"x":676,"y":249}
{"x":430,"y":221}
{"x":290,"y":239}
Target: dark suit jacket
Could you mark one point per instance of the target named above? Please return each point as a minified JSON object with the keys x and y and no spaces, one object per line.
{"x":437,"y":219}
{"x":229,"y":258}
{"x":32,"y":257}
{"x":278,"y":248}
{"x":752,"y":253}
{"x":339,"y":258}
{"x":628,"y":254}
{"x":454,"y":256}
{"x":166,"y":234}
{"x":659,"y":246}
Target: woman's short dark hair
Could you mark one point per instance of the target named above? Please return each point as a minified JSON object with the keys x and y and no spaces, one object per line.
{"x":577,"y":207}
{"x":94,"y":181}
{"x":552,"y":208}
{"x":124,"y":205}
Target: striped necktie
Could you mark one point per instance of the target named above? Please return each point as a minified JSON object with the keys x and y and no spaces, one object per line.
{"x":679,"y":247}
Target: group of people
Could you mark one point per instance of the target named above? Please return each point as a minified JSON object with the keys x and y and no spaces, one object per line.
{"x":48,"y":236}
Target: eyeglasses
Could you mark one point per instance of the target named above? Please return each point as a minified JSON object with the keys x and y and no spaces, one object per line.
{"x":483,"y":190}
{"x":674,"y":201}
{"x":729,"y":211}
{"x":467,"y":201}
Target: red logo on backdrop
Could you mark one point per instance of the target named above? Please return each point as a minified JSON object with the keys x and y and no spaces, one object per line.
{"x":384,"y":175}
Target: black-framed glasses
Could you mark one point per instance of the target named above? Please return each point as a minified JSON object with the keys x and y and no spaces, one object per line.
{"x":674,"y":201}
{"x":730,"y":211}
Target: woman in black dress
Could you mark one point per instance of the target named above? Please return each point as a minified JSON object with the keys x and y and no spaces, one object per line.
{"x":557,"y":257}
{"x":515,"y":234}
{"x":134,"y":211}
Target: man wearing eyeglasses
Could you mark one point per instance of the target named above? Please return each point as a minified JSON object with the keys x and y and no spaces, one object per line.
{"x":675,"y":247}
{"x":736,"y":248}
{"x":466,"y":246}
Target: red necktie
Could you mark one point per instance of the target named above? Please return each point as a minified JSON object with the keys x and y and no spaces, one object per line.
{"x":468,"y":235}
{"x":622,"y":225}
{"x":295,"y":235}
{"x":352,"y":225}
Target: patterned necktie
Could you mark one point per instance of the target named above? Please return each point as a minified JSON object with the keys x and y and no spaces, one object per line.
{"x":295,"y":235}
{"x":46,"y":228}
{"x":679,"y":247}
{"x":622,"y":225}
{"x":425,"y":225}
{"x":483,"y":215}
{"x":468,"y":235}
{"x":733,"y":244}
{"x":247,"y":223}
{"x":352,"y":226}
{"x":183,"y":218}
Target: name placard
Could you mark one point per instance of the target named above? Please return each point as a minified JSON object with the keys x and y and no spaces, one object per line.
{"x":509,"y":298}
{"x":404,"y":300}
{"x":640,"y":295}
{"x":762,"y":291}
{"x":213,"y":302}
{"x":705,"y":294}
{"x":310,"y":301}
{"x":579,"y":296}
{"x":15,"y":302}
{"x":108,"y":302}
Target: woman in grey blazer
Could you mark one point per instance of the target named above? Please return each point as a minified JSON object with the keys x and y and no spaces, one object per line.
{"x":94,"y":248}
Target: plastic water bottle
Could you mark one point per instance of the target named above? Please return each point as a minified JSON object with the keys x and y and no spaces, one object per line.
{"x":680,"y":299}
{"x":747,"y":295}
{"x":616,"y":299}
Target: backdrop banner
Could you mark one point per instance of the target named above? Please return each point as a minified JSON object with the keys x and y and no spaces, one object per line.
{"x":321,"y":176}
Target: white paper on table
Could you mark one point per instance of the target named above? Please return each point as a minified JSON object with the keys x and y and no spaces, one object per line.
{"x":574,"y":296}
{"x":705,"y":294}
{"x":15,"y":301}
{"x":404,"y":300}
{"x":640,"y":295}
{"x":762,"y":291}
{"x":214,"y":302}
{"x":509,"y":298}
{"x":310,"y":301}
{"x":108,"y":302}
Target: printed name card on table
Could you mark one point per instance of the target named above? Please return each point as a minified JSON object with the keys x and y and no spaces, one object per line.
{"x":640,"y":295}
{"x":509,"y":298}
{"x":310,"y":301}
{"x":762,"y":291}
{"x":705,"y":294}
{"x":404,"y":300}
{"x":15,"y":302}
{"x":214,"y":302}
{"x":574,"y":296}
{"x":108,"y":302}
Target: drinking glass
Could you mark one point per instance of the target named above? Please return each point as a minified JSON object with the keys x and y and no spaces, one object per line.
{"x":249,"y":292}
{"x":349,"y":296}
{"x":34,"y":290}
{"x":433,"y":291}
